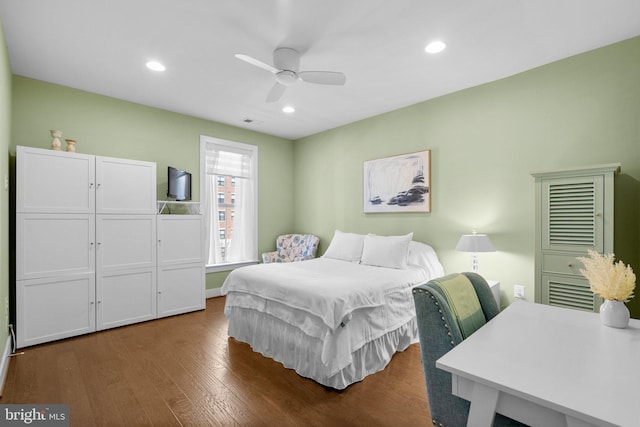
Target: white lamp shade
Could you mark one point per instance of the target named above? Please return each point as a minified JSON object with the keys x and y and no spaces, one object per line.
{"x":475,"y":243}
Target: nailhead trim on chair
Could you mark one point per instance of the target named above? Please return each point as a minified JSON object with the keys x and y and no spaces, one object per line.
{"x":435,"y":423}
{"x":442,"y":317}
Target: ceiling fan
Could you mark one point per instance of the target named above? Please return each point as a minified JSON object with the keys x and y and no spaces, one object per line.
{"x":286,"y":62}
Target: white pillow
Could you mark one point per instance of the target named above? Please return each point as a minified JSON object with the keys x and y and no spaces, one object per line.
{"x":424,"y":256}
{"x":386,"y":251}
{"x":345,"y":246}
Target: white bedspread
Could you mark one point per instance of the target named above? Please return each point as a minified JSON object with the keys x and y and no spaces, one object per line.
{"x":341,"y":303}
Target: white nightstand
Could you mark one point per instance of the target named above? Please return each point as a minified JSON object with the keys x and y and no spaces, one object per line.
{"x":495,"y":288}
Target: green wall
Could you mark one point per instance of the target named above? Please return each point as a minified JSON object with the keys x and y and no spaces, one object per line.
{"x":484,"y":141}
{"x":111,"y":127}
{"x":5,"y":141}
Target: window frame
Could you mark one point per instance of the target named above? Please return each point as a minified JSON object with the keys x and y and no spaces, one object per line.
{"x":204,"y":139}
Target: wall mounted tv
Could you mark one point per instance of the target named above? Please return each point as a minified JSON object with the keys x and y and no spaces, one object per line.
{"x":179,"y":187}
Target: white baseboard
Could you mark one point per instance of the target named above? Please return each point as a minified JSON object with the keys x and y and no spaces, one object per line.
{"x":212,"y":293}
{"x":4,"y":363}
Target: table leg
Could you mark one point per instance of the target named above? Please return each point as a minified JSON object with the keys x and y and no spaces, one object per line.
{"x":483,"y":406}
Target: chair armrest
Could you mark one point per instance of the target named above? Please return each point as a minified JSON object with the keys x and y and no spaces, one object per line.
{"x":268,"y":257}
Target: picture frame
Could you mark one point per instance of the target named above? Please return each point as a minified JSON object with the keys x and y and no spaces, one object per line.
{"x":399,"y":183}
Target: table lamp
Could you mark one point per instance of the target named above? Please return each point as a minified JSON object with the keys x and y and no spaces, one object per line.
{"x":475,"y":243}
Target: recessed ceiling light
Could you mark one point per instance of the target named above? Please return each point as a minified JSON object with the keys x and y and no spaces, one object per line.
{"x":155,"y":66}
{"x":435,"y":46}
{"x":288,"y":109}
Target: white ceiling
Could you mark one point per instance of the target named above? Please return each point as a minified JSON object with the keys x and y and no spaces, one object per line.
{"x":101,"y":46}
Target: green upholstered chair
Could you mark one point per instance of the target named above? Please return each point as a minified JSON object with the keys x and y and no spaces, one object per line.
{"x":448,"y":310}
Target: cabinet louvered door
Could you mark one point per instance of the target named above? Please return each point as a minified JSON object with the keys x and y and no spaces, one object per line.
{"x":573,"y":214}
{"x":569,"y":292}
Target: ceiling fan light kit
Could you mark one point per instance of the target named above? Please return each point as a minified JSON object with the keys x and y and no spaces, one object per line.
{"x":286,"y":77}
{"x":286,"y":63}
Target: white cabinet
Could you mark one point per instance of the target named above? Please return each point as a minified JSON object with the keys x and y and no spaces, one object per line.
{"x":125,"y":186}
{"x":53,"y":308}
{"x":126,"y":269}
{"x":574,"y":214}
{"x":61,"y":244}
{"x":125,"y":242}
{"x":181,"y":267}
{"x":125,"y":297}
{"x":91,"y":252}
{"x":54,"y":181}
{"x":50,"y":245}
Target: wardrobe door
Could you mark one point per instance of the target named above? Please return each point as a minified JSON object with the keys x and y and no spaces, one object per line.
{"x":52,"y":245}
{"x":54,"y":181}
{"x":125,"y":186}
{"x":54,"y":308}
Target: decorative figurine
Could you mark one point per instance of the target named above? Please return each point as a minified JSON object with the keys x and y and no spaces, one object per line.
{"x":71,"y":145}
{"x":55,"y":142}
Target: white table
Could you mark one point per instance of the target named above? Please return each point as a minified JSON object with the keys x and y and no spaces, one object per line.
{"x":549,"y":366}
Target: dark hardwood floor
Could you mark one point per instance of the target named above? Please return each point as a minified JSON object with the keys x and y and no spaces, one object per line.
{"x":185,"y":370}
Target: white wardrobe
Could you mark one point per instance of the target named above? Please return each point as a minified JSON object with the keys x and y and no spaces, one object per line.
{"x":86,"y":246}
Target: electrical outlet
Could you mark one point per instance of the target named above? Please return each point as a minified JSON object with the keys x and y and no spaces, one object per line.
{"x":518,"y":291}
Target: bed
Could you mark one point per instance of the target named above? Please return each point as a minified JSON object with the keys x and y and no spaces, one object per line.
{"x":337,"y":318}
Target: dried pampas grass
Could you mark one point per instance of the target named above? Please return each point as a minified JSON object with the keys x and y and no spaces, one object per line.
{"x":610,"y":280}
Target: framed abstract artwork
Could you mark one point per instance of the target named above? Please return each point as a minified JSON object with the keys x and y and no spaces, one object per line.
{"x":398,"y":184}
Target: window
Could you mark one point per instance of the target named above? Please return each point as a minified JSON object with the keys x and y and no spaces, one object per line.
{"x":221,"y":181}
{"x":232,"y":231}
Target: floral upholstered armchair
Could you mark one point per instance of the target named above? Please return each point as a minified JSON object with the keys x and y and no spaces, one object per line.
{"x":293,"y":247}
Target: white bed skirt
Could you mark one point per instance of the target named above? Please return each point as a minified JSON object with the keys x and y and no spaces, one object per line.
{"x":296,"y":350}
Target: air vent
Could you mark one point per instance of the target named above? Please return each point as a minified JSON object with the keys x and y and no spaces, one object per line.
{"x":572,"y":214}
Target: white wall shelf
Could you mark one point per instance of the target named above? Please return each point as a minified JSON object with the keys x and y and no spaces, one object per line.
{"x":192,"y":208}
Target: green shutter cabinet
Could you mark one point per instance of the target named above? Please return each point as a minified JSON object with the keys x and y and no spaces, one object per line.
{"x":574,"y":214}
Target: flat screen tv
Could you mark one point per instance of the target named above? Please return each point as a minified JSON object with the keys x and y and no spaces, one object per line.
{"x":179,"y":186}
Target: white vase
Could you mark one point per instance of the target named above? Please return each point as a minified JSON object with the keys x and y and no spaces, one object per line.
{"x":614,"y":314}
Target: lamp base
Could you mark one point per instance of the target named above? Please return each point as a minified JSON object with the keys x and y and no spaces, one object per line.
{"x":474,"y":262}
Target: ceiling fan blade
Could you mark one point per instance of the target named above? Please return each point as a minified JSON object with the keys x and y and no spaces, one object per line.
{"x":323,"y":77}
{"x":256,"y":62}
{"x":276,"y":92}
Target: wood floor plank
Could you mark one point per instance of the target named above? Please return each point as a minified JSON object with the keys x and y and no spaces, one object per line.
{"x":185,"y":371}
